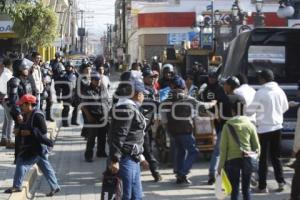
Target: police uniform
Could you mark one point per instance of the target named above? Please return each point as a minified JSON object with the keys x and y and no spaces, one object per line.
{"x":67,"y":94}
{"x":95,"y":120}
{"x":18,"y":86}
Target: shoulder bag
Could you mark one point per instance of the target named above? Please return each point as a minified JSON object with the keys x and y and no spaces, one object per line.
{"x":250,"y":158}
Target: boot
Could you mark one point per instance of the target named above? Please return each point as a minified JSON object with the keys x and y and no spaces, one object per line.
{"x":65,"y":123}
{"x":3,"y":142}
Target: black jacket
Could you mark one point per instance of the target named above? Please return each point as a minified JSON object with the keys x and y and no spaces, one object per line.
{"x":97,"y":102}
{"x":34,"y":144}
{"x":126,"y":135}
{"x":216,"y":92}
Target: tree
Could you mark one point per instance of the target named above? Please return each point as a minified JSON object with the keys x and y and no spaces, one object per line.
{"x":34,"y":24}
{"x":5,"y":4}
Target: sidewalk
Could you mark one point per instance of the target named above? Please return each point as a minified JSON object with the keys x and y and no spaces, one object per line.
{"x":81,"y":180}
{"x":7,"y":168}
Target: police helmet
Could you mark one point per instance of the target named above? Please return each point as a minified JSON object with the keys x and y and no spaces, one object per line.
{"x":22,"y":64}
{"x":169,"y":67}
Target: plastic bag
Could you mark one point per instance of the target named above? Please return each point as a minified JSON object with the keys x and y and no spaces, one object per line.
{"x":222,"y":186}
{"x":226,"y":183}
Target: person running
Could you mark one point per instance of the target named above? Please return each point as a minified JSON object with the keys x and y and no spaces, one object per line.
{"x":238,"y":137}
{"x":33,"y":146}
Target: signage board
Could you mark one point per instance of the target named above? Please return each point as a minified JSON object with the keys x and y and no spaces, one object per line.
{"x":6,"y":26}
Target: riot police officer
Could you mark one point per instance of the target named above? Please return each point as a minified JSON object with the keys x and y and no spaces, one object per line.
{"x":18,"y":86}
{"x":69,"y":79}
{"x":58,"y":70}
{"x":97,"y":104}
{"x":47,"y":95}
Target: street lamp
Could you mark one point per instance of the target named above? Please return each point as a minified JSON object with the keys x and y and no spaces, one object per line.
{"x":238,"y":17}
{"x":259,"y":19}
{"x":199,"y":25}
{"x":285,"y":9}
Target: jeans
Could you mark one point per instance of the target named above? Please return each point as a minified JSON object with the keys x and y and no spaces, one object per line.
{"x":270,"y":144}
{"x":7,"y":123}
{"x":234,"y":170}
{"x":187,"y":153}
{"x":295,"y":192}
{"x":130,"y":175}
{"x":215,"y":157}
{"x":23,"y":165}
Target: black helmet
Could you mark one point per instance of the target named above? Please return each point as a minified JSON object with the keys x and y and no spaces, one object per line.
{"x":22,"y":64}
{"x":233,"y":82}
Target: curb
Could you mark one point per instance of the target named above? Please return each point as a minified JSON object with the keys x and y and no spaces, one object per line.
{"x":33,"y":172}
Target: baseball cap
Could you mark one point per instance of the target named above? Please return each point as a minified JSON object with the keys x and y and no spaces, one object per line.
{"x":147,"y":73}
{"x":27,"y":98}
{"x":178,"y":82}
{"x":138,"y":86}
{"x":95,"y":76}
{"x":266,"y":74}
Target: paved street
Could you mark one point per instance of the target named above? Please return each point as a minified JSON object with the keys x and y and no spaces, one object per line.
{"x":81,"y":180}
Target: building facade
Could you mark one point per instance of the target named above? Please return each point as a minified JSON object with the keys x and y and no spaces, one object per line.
{"x":147,"y":28}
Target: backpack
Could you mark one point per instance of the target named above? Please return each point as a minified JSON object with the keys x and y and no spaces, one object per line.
{"x":112,"y":188}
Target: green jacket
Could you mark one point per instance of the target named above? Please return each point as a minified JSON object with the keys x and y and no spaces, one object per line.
{"x":229,"y":149}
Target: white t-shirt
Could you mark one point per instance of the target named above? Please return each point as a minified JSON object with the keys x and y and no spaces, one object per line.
{"x":248,"y":94}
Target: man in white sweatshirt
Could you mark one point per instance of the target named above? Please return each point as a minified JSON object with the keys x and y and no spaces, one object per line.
{"x":269,"y":105}
{"x":36,"y":77}
{"x":5,"y":75}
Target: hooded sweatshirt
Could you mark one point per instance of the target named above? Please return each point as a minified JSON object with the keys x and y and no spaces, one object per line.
{"x":248,"y":137}
{"x":269,"y":104}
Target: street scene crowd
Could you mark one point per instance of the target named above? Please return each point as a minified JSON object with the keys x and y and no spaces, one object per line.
{"x":244,"y":124}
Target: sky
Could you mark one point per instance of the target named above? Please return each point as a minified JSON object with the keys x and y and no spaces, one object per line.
{"x":98,"y":14}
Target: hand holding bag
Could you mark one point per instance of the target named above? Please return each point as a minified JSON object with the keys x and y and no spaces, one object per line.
{"x":250,"y":158}
{"x":223,"y":186}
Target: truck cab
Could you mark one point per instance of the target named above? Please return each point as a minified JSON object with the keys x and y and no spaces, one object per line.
{"x":273,"y":48}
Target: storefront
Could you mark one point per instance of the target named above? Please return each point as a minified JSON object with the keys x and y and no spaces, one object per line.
{"x":8,"y":41}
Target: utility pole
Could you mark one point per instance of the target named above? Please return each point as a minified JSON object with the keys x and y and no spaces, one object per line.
{"x":81,"y":35}
{"x":124,"y":26}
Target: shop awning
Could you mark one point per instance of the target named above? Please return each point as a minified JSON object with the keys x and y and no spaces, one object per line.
{"x":7,"y":35}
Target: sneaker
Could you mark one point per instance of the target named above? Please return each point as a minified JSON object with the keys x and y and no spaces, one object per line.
{"x":183,"y":180}
{"x":12,"y":190}
{"x":258,"y":190}
{"x":211,"y":181}
{"x":281,"y":187}
{"x":52,"y":192}
{"x":3,"y":142}
{"x":157,"y":177}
